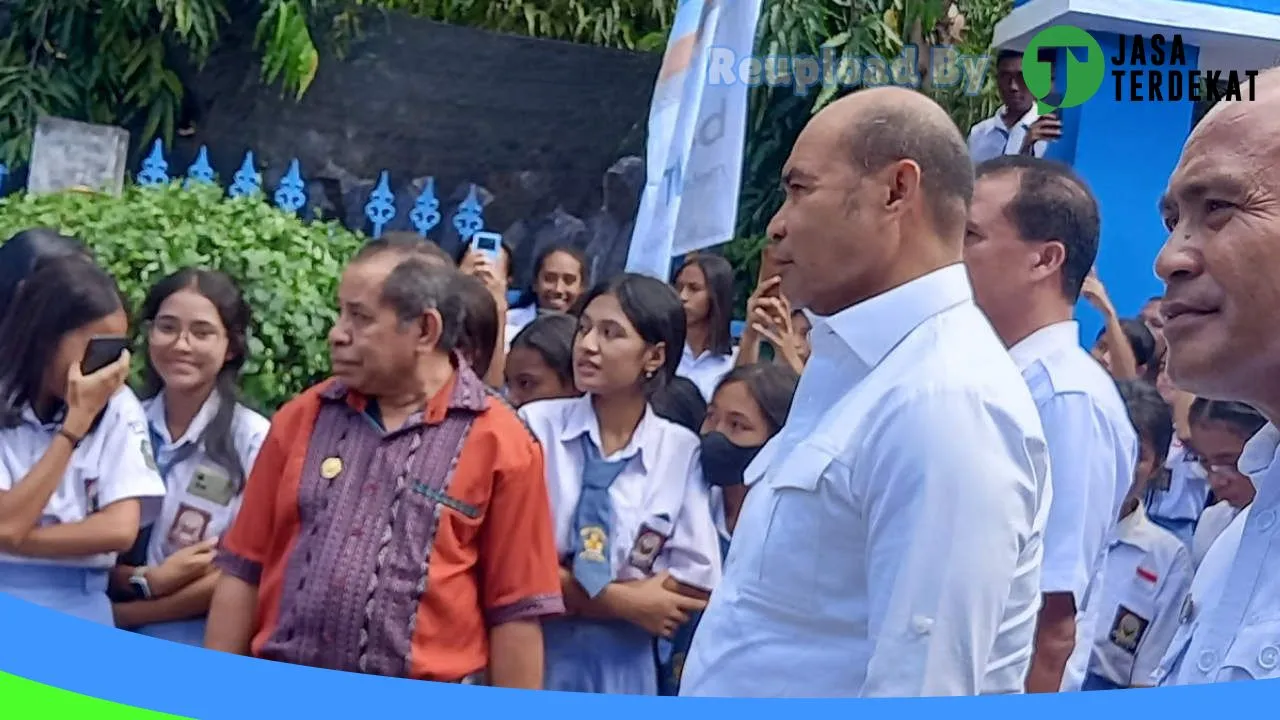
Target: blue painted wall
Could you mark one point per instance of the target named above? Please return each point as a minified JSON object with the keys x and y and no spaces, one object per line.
{"x":1126,"y":152}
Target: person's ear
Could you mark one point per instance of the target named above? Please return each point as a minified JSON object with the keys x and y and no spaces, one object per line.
{"x":430,"y":329}
{"x":654,"y":358}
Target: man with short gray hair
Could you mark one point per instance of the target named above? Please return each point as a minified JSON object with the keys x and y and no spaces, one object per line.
{"x":396,"y":521}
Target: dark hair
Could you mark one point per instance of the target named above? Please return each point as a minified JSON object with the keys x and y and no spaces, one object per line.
{"x":1003,"y":55}
{"x":681,"y":402}
{"x":1140,"y":339}
{"x":654,"y":310}
{"x":218,"y":288}
{"x":416,"y":286}
{"x":551,"y":336}
{"x":1243,"y":418}
{"x":63,"y":295}
{"x":719,"y":277}
{"x":1053,"y":203}
{"x":23,"y":253}
{"x":529,"y":296}
{"x":1149,"y":414}
{"x":405,"y":243}
{"x":772,"y":386}
{"x":886,"y":133}
{"x":479,"y":339}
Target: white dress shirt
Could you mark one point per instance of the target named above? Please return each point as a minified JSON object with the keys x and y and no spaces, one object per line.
{"x":112,"y":463}
{"x":1213,"y":521}
{"x":1093,"y":449}
{"x":1230,"y":627}
{"x":661,"y":488}
{"x":201,"y":498}
{"x":992,"y":138}
{"x":706,"y":370}
{"x":890,"y":545}
{"x":517,"y":318}
{"x":1148,"y":574}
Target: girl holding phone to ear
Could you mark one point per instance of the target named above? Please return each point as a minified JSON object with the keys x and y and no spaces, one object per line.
{"x":205,"y":443}
{"x":77,"y":477}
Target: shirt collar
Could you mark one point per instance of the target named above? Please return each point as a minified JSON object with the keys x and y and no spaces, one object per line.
{"x":1260,"y":453}
{"x":1044,"y":342}
{"x":1135,"y":528}
{"x":463,"y":391}
{"x":29,"y":417}
{"x":160,"y":424}
{"x":873,"y":327}
{"x":1027,"y":118}
{"x":581,"y":420}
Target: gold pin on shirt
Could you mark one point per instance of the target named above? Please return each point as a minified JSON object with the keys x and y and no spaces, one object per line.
{"x":330,"y":468}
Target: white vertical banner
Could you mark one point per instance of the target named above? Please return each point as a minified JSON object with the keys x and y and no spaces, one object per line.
{"x":697,"y":130}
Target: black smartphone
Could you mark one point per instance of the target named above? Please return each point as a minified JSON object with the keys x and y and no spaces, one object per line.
{"x":101,"y":351}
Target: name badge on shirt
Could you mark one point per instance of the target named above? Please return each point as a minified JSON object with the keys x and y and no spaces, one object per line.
{"x":649,"y":543}
{"x":91,"y":495}
{"x":211,"y":484}
{"x":1128,"y":629}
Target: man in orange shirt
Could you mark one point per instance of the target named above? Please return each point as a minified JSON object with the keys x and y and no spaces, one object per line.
{"x":396,"y":521}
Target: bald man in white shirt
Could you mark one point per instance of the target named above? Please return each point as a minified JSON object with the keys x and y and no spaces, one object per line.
{"x":1030,"y":243}
{"x":890,"y":544}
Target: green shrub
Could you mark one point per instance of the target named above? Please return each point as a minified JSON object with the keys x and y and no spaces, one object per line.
{"x":288,"y":269}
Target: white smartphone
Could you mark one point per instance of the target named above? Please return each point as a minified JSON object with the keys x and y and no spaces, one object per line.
{"x":488,"y":243}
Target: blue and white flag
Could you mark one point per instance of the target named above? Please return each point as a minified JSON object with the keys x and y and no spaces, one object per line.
{"x":696,"y":136}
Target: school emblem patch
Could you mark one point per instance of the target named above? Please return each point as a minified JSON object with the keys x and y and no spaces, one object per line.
{"x":149,"y":455}
{"x":1127,"y":630}
{"x":646,"y":548}
{"x":593,"y":542}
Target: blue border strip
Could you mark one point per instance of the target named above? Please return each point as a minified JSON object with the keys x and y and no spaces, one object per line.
{"x":134,"y":670}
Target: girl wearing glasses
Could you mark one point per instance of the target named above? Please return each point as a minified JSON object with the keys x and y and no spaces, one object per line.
{"x":205,"y":442}
{"x":1219,"y":431}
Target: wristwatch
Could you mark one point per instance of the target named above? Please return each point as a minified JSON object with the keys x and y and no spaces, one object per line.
{"x":138,"y":581}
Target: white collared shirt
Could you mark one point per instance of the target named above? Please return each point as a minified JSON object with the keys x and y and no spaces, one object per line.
{"x":517,"y":318}
{"x":890,"y":545}
{"x":112,"y":463}
{"x":991,"y":138}
{"x":661,"y":488}
{"x":1093,"y":449}
{"x":1231,"y":630}
{"x":706,"y":370}
{"x":1183,"y":501}
{"x":201,"y":498}
{"x":1148,"y":574}
{"x":1212,"y":522}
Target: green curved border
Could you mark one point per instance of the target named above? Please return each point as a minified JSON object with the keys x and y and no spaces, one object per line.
{"x":34,"y":700}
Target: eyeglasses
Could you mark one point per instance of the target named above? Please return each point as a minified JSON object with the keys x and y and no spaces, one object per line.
{"x":167,"y":332}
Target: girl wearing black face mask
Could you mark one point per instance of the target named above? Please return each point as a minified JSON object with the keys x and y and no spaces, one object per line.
{"x":750,"y":406}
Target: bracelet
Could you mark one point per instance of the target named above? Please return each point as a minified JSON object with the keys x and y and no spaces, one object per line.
{"x":71,"y":437}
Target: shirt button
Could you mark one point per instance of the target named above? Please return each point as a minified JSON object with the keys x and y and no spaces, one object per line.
{"x":1268,"y":656}
{"x":1207,"y":660}
{"x":921,"y":625}
{"x":1267,"y":520}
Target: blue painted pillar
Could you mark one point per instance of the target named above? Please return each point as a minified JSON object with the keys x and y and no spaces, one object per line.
{"x":1126,"y":151}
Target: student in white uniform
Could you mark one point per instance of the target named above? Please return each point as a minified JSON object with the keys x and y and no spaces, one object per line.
{"x":1177,"y":503}
{"x":1016,"y":128}
{"x":1219,"y":431}
{"x":1148,"y":571}
{"x":890,"y":543}
{"x":559,"y":279}
{"x":205,"y":444}
{"x":1031,"y":243}
{"x":632,"y":515}
{"x":1220,"y":266}
{"x":705,"y":286}
{"x":540,"y":362}
{"x":77,"y":477}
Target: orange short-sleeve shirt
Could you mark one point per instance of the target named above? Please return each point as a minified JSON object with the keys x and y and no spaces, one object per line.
{"x":394,"y":552}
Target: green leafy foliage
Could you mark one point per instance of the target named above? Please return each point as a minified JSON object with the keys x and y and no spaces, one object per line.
{"x":287,"y":269}
{"x":113,"y":61}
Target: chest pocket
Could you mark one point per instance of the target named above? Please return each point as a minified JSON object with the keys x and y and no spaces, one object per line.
{"x":1256,"y":651}
{"x":791,"y":555}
